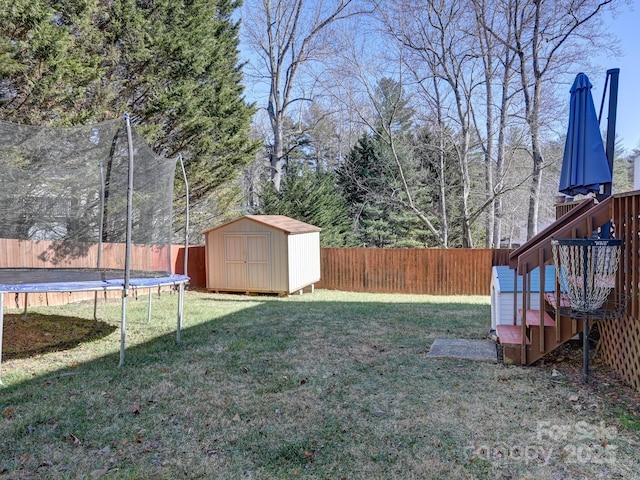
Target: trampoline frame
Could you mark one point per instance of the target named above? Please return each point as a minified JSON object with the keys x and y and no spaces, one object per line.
{"x":120,"y":279}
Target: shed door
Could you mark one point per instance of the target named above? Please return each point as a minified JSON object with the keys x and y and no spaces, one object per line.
{"x":247,"y":261}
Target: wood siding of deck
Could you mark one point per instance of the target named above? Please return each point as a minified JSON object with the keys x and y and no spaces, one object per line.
{"x":620,"y":339}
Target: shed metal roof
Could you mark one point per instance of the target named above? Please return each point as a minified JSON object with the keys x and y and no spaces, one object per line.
{"x":281,"y":222}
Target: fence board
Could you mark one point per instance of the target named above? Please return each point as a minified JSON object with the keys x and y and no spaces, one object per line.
{"x":419,"y":271}
{"x":196,"y":265}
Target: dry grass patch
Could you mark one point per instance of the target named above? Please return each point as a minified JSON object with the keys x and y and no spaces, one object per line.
{"x":328,"y":385}
{"x":38,"y":333}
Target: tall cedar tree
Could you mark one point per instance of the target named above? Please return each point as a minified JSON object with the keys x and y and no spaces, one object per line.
{"x":173,"y":65}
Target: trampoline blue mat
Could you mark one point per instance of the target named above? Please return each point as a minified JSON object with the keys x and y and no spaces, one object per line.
{"x":81,"y":280}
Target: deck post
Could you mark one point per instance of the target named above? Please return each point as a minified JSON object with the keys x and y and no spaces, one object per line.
{"x":541,"y":288}
{"x":523,"y":321}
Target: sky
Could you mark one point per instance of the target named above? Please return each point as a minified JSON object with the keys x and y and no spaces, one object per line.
{"x":625,"y":27}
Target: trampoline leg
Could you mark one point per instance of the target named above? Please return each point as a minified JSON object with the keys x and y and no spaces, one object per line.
{"x":149,"y":306}
{"x":95,"y":305}
{"x":26,"y":301}
{"x":180,"y":310}
{"x":1,"y":324}
{"x":123,"y":327}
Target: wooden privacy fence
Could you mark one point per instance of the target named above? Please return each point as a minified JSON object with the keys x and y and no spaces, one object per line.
{"x":46,"y":254}
{"x":377,"y":270}
{"x":421,"y":271}
{"x":452,"y":271}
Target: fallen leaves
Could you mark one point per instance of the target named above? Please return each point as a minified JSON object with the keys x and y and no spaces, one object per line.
{"x":73,"y":439}
{"x":135,"y":409}
{"x":99,"y":472}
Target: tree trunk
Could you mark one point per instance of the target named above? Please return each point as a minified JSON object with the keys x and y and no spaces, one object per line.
{"x":276,"y":154}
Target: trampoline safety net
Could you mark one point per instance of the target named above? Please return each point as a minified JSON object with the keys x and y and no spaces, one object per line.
{"x":63,"y":196}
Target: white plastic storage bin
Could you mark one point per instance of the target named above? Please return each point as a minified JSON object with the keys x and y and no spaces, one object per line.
{"x":502,"y":289}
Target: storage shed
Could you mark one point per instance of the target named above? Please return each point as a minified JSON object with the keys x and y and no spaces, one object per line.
{"x":502,"y":293}
{"x":262,"y":253}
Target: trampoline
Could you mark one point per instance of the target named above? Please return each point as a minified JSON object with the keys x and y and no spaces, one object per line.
{"x":86,"y":209}
{"x":34,"y":280}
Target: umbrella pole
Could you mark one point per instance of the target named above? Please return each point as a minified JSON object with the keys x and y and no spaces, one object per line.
{"x":614,"y":73}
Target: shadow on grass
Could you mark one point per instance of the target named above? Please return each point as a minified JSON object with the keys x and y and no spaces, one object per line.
{"x":38,"y":333}
{"x":280,"y":389}
{"x":269,"y":323}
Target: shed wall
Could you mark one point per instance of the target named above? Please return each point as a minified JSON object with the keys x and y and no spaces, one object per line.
{"x":260,"y":277}
{"x":304,"y":260}
{"x":262,"y":249}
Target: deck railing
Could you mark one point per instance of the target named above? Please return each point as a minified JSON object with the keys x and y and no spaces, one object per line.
{"x":620,"y":339}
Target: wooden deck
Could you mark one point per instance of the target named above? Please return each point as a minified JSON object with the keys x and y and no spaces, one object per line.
{"x":532,"y":318}
{"x":619,"y":342}
{"x":510,"y":334}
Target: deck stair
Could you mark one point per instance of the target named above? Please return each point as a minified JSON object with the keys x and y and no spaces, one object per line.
{"x":534,"y":332}
{"x":510,"y":336}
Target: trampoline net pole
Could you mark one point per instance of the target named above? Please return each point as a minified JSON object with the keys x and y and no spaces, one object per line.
{"x":123,"y":328}
{"x":180,"y":310}
{"x":100,"y":235}
{"x":127,"y":255}
{"x":149,"y":307}
{"x":186,"y":215}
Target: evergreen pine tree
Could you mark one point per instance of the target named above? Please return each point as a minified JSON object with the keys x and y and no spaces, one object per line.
{"x":173,"y":65}
{"x":311,"y":197}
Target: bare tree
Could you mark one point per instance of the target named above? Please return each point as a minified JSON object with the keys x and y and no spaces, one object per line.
{"x":329,"y":136}
{"x":359,"y":77}
{"x":437,"y":35}
{"x":548,"y":37}
{"x":498,"y":69}
{"x":286,"y":36}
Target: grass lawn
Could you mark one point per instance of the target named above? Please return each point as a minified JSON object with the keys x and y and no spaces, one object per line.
{"x":329,"y":385}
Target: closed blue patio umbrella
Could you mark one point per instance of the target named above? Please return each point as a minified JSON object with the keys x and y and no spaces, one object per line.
{"x":584,"y":166}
